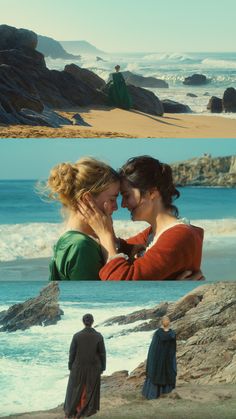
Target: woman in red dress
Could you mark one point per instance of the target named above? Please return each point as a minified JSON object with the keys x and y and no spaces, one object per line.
{"x":168,"y":247}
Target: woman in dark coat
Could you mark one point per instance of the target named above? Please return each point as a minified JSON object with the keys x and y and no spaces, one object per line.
{"x":161,"y":362}
{"x":87,"y":361}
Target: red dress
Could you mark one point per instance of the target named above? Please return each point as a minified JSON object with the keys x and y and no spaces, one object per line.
{"x":177,"y":249}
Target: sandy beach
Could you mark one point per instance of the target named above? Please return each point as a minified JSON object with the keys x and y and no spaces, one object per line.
{"x":113,"y":122}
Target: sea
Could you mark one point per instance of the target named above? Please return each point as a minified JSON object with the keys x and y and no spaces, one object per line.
{"x":35,"y":360}
{"x":172,"y":67}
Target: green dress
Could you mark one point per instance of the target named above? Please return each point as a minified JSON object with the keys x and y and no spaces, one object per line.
{"x":77,"y":257}
{"x":118,"y":92}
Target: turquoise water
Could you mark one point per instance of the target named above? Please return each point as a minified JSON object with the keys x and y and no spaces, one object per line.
{"x":21,"y":204}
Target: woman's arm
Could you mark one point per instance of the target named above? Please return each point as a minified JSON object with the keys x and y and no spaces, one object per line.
{"x":172,"y":254}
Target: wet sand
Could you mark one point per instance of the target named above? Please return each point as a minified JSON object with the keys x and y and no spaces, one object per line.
{"x":113,"y":122}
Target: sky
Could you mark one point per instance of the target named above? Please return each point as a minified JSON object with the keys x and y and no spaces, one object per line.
{"x":33,"y":158}
{"x":130,"y":25}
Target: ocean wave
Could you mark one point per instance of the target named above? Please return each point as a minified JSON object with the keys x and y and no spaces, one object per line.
{"x":172,"y":57}
{"x":43,"y":367}
{"x":213,"y":63}
{"x":36,"y":240}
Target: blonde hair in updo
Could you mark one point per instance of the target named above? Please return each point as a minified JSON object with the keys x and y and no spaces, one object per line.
{"x":68,"y":182}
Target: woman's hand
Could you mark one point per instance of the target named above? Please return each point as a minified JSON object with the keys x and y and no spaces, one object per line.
{"x":100,"y":222}
{"x":190,"y":276}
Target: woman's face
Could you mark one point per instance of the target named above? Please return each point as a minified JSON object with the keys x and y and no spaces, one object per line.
{"x":109,"y":197}
{"x":138,"y":206}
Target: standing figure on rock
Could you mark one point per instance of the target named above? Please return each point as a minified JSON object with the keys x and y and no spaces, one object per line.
{"x":118,"y":92}
{"x":87,"y":361}
{"x":161,"y":362}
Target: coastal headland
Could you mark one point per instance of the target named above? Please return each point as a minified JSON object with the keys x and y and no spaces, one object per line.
{"x":205,"y":323}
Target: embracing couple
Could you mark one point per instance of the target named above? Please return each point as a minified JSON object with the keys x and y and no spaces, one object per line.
{"x":168,"y":249}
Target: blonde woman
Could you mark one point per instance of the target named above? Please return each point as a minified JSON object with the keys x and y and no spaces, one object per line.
{"x":77,"y":254}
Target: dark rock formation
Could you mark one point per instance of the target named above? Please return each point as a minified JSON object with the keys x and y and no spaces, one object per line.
{"x":215,"y":105}
{"x":205,"y":324}
{"x":191,"y":95}
{"x":49,"y":47}
{"x":86,"y":76}
{"x":206,"y":171}
{"x":141,"y":81}
{"x":145,"y":101}
{"x":26,"y":82}
{"x":229,"y":100}
{"x":196,"y":80}
{"x":100,"y":59}
{"x":43,"y":310}
{"x":13,"y":38}
{"x":170,"y":106}
{"x":28,"y":88}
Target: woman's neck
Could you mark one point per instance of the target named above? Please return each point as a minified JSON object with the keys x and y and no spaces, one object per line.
{"x":76,"y":222}
{"x":162,"y":221}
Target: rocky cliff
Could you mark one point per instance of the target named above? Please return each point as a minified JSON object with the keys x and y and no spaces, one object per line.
{"x":43,"y":310}
{"x":205,"y":324}
{"x":206,"y":171}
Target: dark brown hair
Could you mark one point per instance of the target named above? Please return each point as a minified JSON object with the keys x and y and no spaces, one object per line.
{"x":145,"y":172}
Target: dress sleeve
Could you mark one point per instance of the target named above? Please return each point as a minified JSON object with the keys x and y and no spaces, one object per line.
{"x":83,"y":262}
{"x":172,"y":254}
{"x":125,"y":246}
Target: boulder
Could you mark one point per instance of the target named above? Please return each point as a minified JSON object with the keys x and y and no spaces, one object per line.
{"x":145,"y":101}
{"x":229,"y":100}
{"x":196,"y":80}
{"x":215,"y":105}
{"x":13,"y":38}
{"x":43,"y":310}
{"x":141,"y":81}
{"x":170,"y":106}
{"x":26,"y":83}
{"x":100,"y":59}
{"x":191,"y":95}
{"x":86,"y":76}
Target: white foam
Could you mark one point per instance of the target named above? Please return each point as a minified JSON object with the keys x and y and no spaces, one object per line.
{"x":211,"y":63}
{"x":36,"y":360}
{"x":36,"y":240}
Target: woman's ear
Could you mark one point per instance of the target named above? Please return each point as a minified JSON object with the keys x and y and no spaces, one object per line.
{"x":154,"y":193}
{"x":86,"y":196}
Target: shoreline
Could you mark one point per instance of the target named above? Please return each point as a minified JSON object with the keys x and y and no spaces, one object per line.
{"x":117,"y":123}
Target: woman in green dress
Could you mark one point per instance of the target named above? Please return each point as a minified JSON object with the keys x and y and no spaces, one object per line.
{"x":77,"y":254}
{"x":118,"y":93}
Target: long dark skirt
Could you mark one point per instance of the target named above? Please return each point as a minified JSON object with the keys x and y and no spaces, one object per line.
{"x":153,"y":391}
{"x":83,"y":393}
